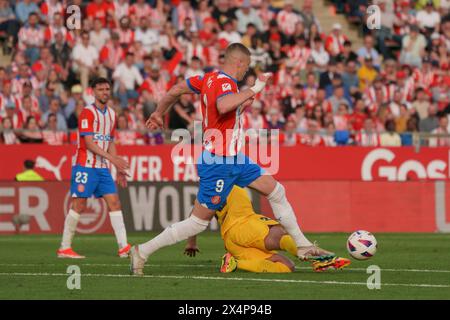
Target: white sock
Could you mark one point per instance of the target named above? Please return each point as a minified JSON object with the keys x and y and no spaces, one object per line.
{"x":175,"y":233}
{"x":70,"y":226}
{"x":285,"y":215}
{"x":119,"y":228}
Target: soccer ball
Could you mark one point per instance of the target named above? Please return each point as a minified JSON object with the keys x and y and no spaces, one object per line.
{"x":362,"y":245}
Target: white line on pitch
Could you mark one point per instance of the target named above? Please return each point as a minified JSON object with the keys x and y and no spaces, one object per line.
{"x":201,"y":266}
{"x":421,"y":285}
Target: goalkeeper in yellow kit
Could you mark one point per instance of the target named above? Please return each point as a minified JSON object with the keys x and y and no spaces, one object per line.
{"x":252,"y":240}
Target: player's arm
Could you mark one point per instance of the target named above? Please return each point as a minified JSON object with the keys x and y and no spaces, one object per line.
{"x":121,"y":164}
{"x":230,"y":102}
{"x":121,"y":176}
{"x":167,"y":101}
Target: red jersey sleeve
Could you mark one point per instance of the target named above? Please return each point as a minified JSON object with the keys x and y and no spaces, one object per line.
{"x":113,"y":130}
{"x":86,"y":123}
{"x":195,"y":84}
{"x":225,"y":86}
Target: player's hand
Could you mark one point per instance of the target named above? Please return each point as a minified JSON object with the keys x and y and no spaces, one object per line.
{"x":155,"y":121}
{"x":264,"y":77}
{"x":121,"y":164}
{"x":260,"y":82}
{"x":191,"y":250}
{"x":122,"y":179}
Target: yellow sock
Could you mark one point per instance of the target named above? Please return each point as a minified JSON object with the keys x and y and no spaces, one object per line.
{"x":288,"y":244}
{"x":260,"y":266}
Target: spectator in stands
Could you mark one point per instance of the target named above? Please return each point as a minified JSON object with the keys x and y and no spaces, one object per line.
{"x":350,"y":78}
{"x":149,"y":37}
{"x":368,"y":137}
{"x":7,"y":134}
{"x":385,"y":33}
{"x":51,"y":135}
{"x":55,"y":109}
{"x":421,"y":103}
{"x":319,"y":55}
{"x":312,"y":138}
{"x":390,"y":138}
{"x":441,"y":130}
{"x":229,"y":33}
{"x":31,"y":38}
{"x":290,"y":137}
{"x":413,"y":47}
{"x":31,"y":132}
{"x":60,"y":50}
{"x":8,"y":23}
{"x":369,"y":50}
{"x":86,"y":60}
{"x":98,"y":36}
{"x":44,"y":99}
{"x":431,"y":122}
{"x":274,"y":119}
{"x":127,"y":76}
{"x":24,"y":9}
{"x":335,"y":41}
{"x":410,"y":137}
{"x":367,"y":73}
{"x":182,"y":115}
{"x":72,"y":120}
{"x":428,"y":19}
{"x":245,"y":15}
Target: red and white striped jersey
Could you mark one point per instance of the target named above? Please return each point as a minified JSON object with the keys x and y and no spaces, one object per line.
{"x":223,"y":134}
{"x":100,"y":124}
{"x":365,"y":139}
{"x":31,"y":37}
{"x":287,"y":21}
{"x":3,"y":100}
{"x":51,"y":31}
{"x":298,"y":57}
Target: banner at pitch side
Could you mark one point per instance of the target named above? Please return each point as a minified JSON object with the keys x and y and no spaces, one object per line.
{"x":321,"y":206}
{"x":156,"y":163}
{"x":146,"y":207}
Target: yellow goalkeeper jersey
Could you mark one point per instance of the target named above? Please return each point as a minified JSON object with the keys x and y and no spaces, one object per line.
{"x":238,"y":208}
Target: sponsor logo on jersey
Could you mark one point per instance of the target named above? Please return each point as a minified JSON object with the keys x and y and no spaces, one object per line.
{"x":84,"y":124}
{"x":215,"y":200}
{"x":226,"y":87}
{"x":102,"y":137}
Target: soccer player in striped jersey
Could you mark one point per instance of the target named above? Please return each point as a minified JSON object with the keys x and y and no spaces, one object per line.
{"x":221,"y":165}
{"x":90,"y":172}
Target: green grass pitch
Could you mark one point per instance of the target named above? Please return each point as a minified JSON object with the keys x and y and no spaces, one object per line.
{"x":413,"y":266}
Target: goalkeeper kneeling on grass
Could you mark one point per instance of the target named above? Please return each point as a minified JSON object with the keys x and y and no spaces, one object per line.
{"x":252,"y":240}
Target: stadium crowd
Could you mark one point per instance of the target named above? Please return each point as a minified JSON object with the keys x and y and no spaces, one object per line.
{"x":324,"y":90}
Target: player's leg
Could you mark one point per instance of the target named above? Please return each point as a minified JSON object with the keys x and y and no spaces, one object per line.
{"x":279,"y":239}
{"x":106,"y":189}
{"x":215,"y":185}
{"x":192,"y":226}
{"x":117,"y":223}
{"x":253,"y":260}
{"x":70,"y":226}
{"x":275,"y":193}
{"x":82,"y":186}
{"x":275,"y":264}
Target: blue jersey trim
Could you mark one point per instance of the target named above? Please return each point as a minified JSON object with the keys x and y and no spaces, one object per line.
{"x":82,"y":134}
{"x":234,"y":79}
{"x":224,"y":94}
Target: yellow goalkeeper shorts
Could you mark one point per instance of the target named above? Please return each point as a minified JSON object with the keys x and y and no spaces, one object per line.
{"x":245,"y":240}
